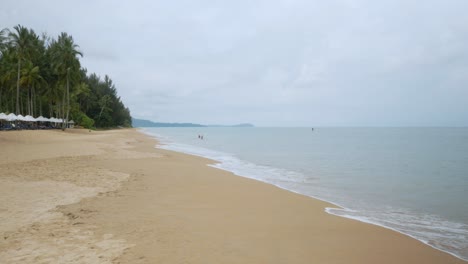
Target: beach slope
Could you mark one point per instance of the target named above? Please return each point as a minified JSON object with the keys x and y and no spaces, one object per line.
{"x":111,"y":197}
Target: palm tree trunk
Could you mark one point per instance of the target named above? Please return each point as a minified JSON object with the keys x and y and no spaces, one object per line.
{"x":28,"y":102}
{"x":32,"y":101}
{"x":68,"y":99}
{"x":100,"y":113}
{"x":40,"y":106}
{"x":17,"y":88}
{"x":21,"y":105}
{"x":63,"y":110}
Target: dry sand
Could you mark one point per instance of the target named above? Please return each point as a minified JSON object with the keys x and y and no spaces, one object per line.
{"x":110,"y":197}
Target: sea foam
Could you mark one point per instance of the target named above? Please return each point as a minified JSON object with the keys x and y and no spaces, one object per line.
{"x":435,"y":231}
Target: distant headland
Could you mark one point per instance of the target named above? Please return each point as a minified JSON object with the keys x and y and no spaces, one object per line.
{"x":147,"y":123}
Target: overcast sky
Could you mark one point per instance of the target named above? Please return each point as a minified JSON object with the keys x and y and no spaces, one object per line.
{"x":271,"y":63}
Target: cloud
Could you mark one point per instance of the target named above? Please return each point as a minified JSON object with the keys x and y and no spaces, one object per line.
{"x":296,"y":62}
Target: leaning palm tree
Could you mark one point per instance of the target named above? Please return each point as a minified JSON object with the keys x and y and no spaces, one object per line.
{"x":67,"y":65}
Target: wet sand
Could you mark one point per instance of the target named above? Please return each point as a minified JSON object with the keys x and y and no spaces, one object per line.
{"x":111,"y":197}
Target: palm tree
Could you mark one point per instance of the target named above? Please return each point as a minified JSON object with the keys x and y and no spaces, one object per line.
{"x":3,"y":69}
{"x":31,"y":78}
{"x":20,"y":40}
{"x":3,"y":40}
{"x":67,"y":65}
{"x":7,"y":76}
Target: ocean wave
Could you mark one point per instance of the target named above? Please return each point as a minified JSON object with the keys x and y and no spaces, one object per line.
{"x":432,"y":230}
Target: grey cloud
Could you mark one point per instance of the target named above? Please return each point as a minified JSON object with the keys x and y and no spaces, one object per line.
{"x":297,"y":62}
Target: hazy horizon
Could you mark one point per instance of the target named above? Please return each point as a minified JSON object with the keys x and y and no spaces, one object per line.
{"x":300,"y":126}
{"x":299,"y":63}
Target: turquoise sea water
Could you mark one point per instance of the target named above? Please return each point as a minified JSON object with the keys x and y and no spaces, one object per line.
{"x":412,"y":180}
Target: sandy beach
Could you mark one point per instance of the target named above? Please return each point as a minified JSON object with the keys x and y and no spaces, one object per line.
{"x":111,"y":197}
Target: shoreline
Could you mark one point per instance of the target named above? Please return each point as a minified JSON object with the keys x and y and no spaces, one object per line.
{"x":336,"y":206}
{"x":153,"y":205}
{"x":328,"y":210}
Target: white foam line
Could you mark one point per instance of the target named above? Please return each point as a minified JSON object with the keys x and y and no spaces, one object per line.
{"x":364,"y":220}
{"x":339,"y":207}
{"x":343,"y":209}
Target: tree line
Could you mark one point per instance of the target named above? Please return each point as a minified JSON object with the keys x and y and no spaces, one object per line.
{"x":42,"y":76}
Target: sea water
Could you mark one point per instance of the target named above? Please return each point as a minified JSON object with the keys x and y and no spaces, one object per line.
{"x":412,"y":180}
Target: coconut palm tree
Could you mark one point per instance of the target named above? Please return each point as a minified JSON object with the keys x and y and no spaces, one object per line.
{"x":3,"y":40}
{"x":67,"y":65}
{"x":20,"y":40}
{"x":7,"y":77}
{"x":49,"y":71}
{"x":31,"y":78}
{"x":3,"y":69}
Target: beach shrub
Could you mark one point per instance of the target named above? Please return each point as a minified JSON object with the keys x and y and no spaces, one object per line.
{"x":86,"y":122}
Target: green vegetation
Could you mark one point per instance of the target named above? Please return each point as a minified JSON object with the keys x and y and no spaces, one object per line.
{"x":42,"y":76}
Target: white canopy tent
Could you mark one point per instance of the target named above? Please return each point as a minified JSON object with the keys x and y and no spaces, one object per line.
{"x":29,"y":118}
{"x":20,"y":118}
{"x":71,"y":124}
{"x":29,"y":122}
{"x":11,"y":117}
{"x":42,"y":119}
{"x":55,"y":120}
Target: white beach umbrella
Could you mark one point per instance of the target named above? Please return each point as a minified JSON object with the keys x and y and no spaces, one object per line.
{"x":3,"y":116}
{"x":11,"y":117}
{"x":30,"y":118}
{"x":20,"y":118}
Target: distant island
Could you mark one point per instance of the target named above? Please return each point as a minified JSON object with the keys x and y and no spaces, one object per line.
{"x":147,"y":123}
